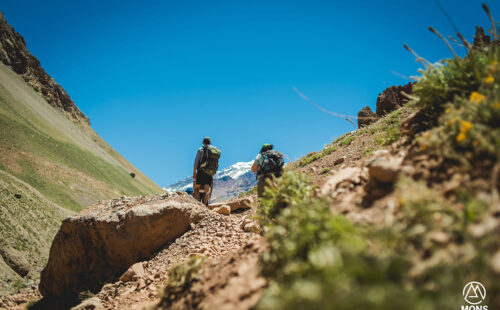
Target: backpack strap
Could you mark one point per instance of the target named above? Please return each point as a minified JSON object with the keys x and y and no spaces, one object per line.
{"x":259,"y":171}
{"x":204,"y":156}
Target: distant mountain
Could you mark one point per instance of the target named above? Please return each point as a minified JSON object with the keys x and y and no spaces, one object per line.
{"x":228,"y":183}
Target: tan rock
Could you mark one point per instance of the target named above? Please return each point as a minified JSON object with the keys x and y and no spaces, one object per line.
{"x":495,"y":263}
{"x":141,"y":284}
{"x":486,"y":226}
{"x":439,"y":237}
{"x":251,"y":227}
{"x":100,"y":244}
{"x":349,"y":174}
{"x":339,"y":160}
{"x":88,"y":304}
{"x":237,"y":203}
{"x":224,"y":209}
{"x":385,"y":169}
{"x":135,"y":271}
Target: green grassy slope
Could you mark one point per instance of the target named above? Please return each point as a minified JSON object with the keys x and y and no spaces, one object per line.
{"x":27,"y":226}
{"x":57,"y":167}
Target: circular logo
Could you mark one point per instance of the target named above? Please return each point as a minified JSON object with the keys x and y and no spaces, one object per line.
{"x":474,"y":293}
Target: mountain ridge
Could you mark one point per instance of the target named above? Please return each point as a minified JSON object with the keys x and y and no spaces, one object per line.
{"x":14,"y":54}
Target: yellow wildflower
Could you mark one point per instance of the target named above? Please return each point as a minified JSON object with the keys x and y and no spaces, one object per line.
{"x":496,"y":105}
{"x":427,"y":135}
{"x":475,"y":143}
{"x":461,"y":136}
{"x":423,"y":147}
{"x":465,"y":126}
{"x":494,"y":66}
{"x":489,"y":80}
{"x":476,"y":97}
{"x":452,"y":121}
{"x":447,"y":110}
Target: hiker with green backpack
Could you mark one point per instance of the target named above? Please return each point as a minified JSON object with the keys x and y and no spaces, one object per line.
{"x":206,"y":164}
{"x":268,"y":164}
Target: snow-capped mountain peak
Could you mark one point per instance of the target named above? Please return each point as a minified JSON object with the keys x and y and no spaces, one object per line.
{"x":235,"y":171}
{"x":228,"y":182}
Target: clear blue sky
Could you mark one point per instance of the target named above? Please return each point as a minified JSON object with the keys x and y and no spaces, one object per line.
{"x":155,"y":77}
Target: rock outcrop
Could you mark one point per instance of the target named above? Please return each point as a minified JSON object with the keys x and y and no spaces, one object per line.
{"x":482,"y":40}
{"x":102,"y":242}
{"x":366,"y":117}
{"x":14,"y":54}
{"x":392,"y":98}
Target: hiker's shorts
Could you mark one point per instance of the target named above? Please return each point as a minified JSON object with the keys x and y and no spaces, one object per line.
{"x":203,"y":178}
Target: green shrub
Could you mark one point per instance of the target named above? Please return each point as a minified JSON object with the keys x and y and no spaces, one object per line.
{"x":368,"y":151}
{"x":252,"y":191}
{"x":318,"y":260}
{"x":462,"y":101}
{"x":388,"y":131}
{"x":181,"y":276}
{"x":347,"y":140}
{"x":328,"y":150}
{"x":325,"y":170}
{"x":309,"y":158}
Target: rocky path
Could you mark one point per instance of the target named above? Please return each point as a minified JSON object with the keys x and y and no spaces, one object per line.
{"x":224,"y":236}
{"x":215,"y":237}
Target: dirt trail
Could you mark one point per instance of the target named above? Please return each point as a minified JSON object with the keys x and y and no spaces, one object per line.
{"x":215,"y":237}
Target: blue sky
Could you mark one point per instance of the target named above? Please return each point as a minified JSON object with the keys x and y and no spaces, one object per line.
{"x":155,"y":77}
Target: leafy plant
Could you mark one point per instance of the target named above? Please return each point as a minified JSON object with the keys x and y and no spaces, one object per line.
{"x":318,"y":260}
{"x":181,"y":276}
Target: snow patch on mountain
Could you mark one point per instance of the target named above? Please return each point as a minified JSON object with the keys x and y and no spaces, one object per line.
{"x":235,"y":171}
{"x":228,"y":182}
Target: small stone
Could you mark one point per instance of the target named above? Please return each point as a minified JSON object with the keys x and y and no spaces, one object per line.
{"x":91,"y":303}
{"x":338,"y":161}
{"x":135,"y":271}
{"x":439,"y":237}
{"x":141,"y":284}
{"x":495,"y":263}
{"x":486,"y":226}
{"x":108,"y":288}
{"x":224,"y":209}
{"x":251,"y":227}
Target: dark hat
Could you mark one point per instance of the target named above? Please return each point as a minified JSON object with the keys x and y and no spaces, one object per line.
{"x":206,"y":140}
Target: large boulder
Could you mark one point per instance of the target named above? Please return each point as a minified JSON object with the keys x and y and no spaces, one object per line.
{"x":392,"y":98}
{"x":100,"y":243}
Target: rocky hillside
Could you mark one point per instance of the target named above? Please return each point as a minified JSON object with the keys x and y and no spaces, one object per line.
{"x":51,"y":162}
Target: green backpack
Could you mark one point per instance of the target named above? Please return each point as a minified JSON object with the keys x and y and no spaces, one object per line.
{"x":210,"y":162}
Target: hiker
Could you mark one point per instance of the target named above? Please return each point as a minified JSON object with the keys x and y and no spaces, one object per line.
{"x":206,"y":164}
{"x":268,"y":164}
